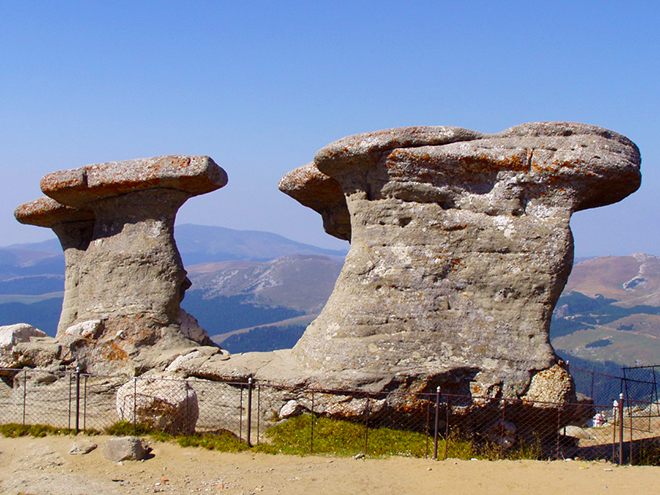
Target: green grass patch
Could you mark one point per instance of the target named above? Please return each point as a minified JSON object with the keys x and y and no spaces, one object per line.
{"x":220,"y":440}
{"x":14,"y":430}
{"x":336,"y":437}
{"x":294,"y":436}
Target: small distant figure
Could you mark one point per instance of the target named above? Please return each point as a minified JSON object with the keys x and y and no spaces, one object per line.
{"x":599,"y":419}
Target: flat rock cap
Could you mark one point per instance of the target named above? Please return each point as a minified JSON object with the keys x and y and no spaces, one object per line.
{"x":46,"y":212}
{"x":193,"y":175}
{"x":600,"y":166}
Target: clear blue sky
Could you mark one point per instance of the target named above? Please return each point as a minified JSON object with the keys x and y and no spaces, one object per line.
{"x":261,"y":86}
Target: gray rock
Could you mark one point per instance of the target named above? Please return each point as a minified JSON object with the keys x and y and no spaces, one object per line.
{"x":125,"y":449}
{"x":161,"y":402}
{"x":82,"y":447}
{"x":88,"y":329}
{"x":460,"y":247}
{"x":23,"y":345}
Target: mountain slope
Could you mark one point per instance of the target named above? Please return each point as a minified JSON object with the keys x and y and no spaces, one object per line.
{"x":631,"y":280}
{"x":610,"y":311}
{"x":302,"y":282}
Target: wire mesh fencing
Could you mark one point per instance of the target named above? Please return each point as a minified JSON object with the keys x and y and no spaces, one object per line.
{"x":346,"y":422}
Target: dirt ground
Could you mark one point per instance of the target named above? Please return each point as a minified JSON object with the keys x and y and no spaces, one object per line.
{"x":40,"y":466}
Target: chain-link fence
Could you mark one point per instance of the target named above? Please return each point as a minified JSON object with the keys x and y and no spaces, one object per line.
{"x":298,"y":420}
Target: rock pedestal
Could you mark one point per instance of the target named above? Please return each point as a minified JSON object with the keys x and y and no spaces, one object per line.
{"x":460,"y":248}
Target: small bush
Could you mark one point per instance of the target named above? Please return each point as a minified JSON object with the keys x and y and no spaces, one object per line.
{"x":648,"y":453}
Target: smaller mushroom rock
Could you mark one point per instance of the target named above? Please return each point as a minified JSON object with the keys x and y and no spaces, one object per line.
{"x":131,"y":275}
{"x":74,"y":228}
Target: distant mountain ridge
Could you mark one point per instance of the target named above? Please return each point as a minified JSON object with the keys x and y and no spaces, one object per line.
{"x":302,"y":282}
{"x":203,"y":244}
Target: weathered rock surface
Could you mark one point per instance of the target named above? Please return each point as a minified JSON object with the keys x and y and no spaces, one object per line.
{"x":460,"y":247}
{"x":74,"y":228}
{"x":23,"y":345}
{"x":161,"y":402}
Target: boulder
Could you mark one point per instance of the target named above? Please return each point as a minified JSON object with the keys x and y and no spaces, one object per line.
{"x":10,"y":335}
{"x":23,"y":345}
{"x":82,"y":447}
{"x":125,"y":449}
{"x":160,"y":402}
{"x":460,"y":248}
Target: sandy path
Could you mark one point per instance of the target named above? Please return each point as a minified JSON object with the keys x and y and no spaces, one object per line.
{"x":43,"y":466}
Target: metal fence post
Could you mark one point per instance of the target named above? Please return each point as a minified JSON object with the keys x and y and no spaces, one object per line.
{"x":85,"y":405}
{"x":311,"y":435}
{"x":70,"y":398}
{"x":366,"y":427}
{"x":24,"y":393}
{"x":135,"y":399}
{"x":77,"y":399}
{"x":558,"y":454}
{"x":500,"y":452}
{"x":436,"y":424}
{"x":258,"y":414}
{"x":249,"y":413}
{"x":620,"y":414}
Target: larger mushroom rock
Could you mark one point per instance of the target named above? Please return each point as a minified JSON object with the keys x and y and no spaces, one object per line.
{"x":74,"y":228}
{"x":460,"y":248}
{"x":131,"y":276}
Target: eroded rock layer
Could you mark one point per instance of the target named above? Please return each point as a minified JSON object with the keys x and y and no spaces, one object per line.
{"x":460,"y":248}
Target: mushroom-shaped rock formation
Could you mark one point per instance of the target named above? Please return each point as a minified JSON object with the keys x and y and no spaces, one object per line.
{"x":73,"y":227}
{"x":460,"y":248}
{"x":131,"y":276}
